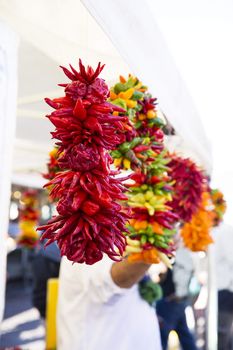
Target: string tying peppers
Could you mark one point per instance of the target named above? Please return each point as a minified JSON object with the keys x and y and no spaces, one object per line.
{"x":90,"y":220}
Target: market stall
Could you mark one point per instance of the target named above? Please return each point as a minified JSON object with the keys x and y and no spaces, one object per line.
{"x":181,"y":66}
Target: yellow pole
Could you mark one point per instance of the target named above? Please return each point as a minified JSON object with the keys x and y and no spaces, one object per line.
{"x":51,"y":307}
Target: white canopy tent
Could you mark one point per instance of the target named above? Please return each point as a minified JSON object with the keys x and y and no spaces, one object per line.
{"x":181,"y":50}
{"x":47,"y":41}
{"x":63,"y":31}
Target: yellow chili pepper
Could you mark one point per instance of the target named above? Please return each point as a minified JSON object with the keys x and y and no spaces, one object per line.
{"x":126,"y":95}
{"x":53,"y":153}
{"x":130,"y":249}
{"x":127,"y":163}
{"x":149,"y":195}
{"x":132,"y":242}
{"x":117,"y":162}
{"x":138,"y":86}
{"x":151,"y":114}
{"x":131,"y":103}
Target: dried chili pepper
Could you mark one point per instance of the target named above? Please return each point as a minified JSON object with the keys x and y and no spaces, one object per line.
{"x":188,"y":187}
{"x":90,"y":221}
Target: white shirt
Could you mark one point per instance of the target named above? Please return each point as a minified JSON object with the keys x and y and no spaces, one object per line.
{"x":223,"y":236}
{"x":95,"y":314}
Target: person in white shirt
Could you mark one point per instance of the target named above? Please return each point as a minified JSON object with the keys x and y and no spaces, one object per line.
{"x":223,"y":235}
{"x":99,"y":308}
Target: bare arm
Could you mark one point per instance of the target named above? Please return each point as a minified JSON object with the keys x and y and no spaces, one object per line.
{"x":125,"y":274}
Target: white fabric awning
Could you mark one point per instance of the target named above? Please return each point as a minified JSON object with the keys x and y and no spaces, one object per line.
{"x":134,"y":30}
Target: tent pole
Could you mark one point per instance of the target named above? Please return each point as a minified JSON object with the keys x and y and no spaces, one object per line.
{"x":8,"y":94}
{"x":212,"y":308}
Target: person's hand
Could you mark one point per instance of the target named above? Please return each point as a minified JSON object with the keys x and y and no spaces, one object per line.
{"x":125,"y":274}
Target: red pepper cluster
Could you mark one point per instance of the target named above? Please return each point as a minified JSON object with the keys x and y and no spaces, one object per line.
{"x":29,"y":209}
{"x":188,"y":188}
{"x":90,"y":220}
{"x":150,"y":125}
{"x":28,"y":219}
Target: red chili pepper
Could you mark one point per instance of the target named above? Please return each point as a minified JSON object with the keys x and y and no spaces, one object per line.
{"x":79,"y":110}
{"x":52,"y":104}
{"x":141,"y":148}
{"x":90,"y":208}
{"x":155,"y":179}
{"x":68,"y":73}
{"x":93,"y":124}
{"x":78,"y":199}
{"x":62,"y":112}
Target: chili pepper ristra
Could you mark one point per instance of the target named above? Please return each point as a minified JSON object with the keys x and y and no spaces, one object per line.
{"x":152,"y":227}
{"x":90,"y":220}
{"x":189,"y":185}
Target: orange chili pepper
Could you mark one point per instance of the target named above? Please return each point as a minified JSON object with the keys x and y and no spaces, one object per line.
{"x":149,"y":256}
{"x":122,"y":79}
{"x":157,"y":228}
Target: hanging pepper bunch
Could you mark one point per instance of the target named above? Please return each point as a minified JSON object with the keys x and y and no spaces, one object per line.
{"x":152,"y":227}
{"x":90,"y":220}
{"x":196,"y":233}
{"x":52,"y":165}
{"x":188,"y":188}
{"x":28,"y":220}
{"x":219,"y":204}
{"x":146,"y":137}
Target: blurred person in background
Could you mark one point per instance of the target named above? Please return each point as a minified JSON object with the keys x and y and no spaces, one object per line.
{"x":45,"y":265}
{"x":223,"y":235}
{"x":176,"y":297}
{"x":99,"y":307}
